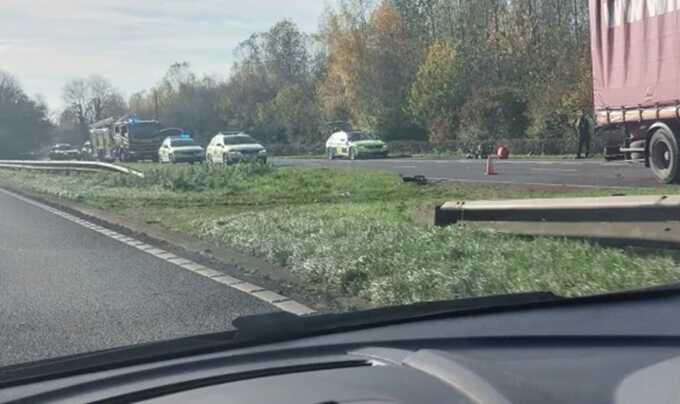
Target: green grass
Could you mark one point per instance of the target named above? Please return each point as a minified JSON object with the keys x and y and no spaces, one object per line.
{"x":367,"y":250}
{"x":349,"y":232}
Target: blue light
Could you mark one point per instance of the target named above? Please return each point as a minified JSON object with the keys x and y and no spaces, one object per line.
{"x":185,"y":135}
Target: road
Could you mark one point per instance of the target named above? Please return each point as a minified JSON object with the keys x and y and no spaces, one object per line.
{"x":551,"y":172}
{"x":67,"y":289}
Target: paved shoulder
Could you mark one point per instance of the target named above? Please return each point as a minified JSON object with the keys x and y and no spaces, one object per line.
{"x":65,"y":289}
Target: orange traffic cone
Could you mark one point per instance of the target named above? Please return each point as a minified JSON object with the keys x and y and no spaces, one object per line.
{"x":490,"y":170}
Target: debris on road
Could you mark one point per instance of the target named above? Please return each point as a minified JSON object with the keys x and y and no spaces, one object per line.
{"x":418,"y":179}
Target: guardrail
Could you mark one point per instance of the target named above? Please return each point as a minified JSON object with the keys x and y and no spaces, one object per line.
{"x":83,"y":166}
{"x":637,"y":220}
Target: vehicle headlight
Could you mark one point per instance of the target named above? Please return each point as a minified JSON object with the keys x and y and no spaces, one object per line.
{"x":263,"y":151}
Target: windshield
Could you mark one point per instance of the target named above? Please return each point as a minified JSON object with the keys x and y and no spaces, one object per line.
{"x":183,"y":142}
{"x":145,"y":130}
{"x":358,"y":136}
{"x":506,"y":162}
{"x":236,"y":140}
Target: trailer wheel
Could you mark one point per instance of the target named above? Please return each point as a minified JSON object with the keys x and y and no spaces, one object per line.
{"x":664,"y":156}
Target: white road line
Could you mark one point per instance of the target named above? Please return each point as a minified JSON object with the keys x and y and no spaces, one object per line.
{"x":404,"y":167}
{"x":271,"y":297}
{"x":248,"y":288}
{"x":227,"y":280}
{"x":294,"y":307}
{"x":281,"y":302}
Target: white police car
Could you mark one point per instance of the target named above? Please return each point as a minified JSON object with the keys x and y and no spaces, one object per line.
{"x":235,"y":147}
{"x":180,"y":149}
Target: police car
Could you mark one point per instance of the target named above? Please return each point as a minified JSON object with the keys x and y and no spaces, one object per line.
{"x":180,"y":149}
{"x":355,"y":145}
{"x":235,"y":147}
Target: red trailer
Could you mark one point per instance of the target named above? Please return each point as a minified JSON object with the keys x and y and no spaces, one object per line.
{"x":636,"y":73}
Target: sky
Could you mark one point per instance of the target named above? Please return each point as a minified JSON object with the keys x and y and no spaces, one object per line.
{"x":45,"y":43}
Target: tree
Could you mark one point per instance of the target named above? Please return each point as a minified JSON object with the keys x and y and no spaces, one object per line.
{"x":181,"y":99}
{"x":492,"y":114}
{"x":76,"y":98}
{"x":345,"y":36}
{"x":24,"y":124}
{"x":391,"y":69}
{"x":298,"y":114}
{"x":90,"y":100}
{"x":438,"y":93}
{"x":273,"y":66}
{"x":285,"y":55}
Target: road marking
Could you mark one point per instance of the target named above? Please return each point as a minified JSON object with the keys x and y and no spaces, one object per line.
{"x":294,"y":307}
{"x":227,"y":280}
{"x":248,"y":288}
{"x":269,"y":296}
{"x":404,"y":167}
{"x":281,"y":302}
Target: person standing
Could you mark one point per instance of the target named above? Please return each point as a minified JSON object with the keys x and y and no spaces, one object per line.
{"x":583,"y":129}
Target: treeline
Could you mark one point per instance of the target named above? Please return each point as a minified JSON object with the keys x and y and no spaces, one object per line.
{"x":445,"y":71}
{"x":465,"y":71}
{"x":24,"y":122}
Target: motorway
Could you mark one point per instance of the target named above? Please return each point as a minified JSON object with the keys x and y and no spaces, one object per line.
{"x":585,"y":173}
{"x":67,"y":289}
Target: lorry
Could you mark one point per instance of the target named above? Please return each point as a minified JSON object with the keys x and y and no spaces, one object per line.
{"x":636,"y":79}
{"x":127,"y":138}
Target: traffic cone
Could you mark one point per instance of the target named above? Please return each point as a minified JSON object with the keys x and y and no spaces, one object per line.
{"x":490,"y":170}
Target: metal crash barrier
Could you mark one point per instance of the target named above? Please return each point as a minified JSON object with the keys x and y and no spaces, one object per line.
{"x":635,"y":220}
{"x":82,"y":166}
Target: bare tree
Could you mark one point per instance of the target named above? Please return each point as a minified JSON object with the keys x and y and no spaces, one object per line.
{"x":90,"y":100}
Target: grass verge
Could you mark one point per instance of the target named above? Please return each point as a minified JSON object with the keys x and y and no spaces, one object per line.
{"x":348,"y":232}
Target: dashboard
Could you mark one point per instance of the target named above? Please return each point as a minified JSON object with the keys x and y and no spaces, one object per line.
{"x":623,"y":351}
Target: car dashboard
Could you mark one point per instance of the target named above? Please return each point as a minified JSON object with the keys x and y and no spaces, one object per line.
{"x":625,"y":351}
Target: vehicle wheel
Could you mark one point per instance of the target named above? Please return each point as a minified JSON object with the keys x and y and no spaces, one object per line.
{"x":225,"y":160}
{"x":664,"y":156}
{"x":171,"y":159}
{"x":352,"y":154}
{"x":331,"y":153}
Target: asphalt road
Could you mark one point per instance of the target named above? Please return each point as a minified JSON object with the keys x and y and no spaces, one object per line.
{"x":66,"y":289}
{"x":549,"y":172}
